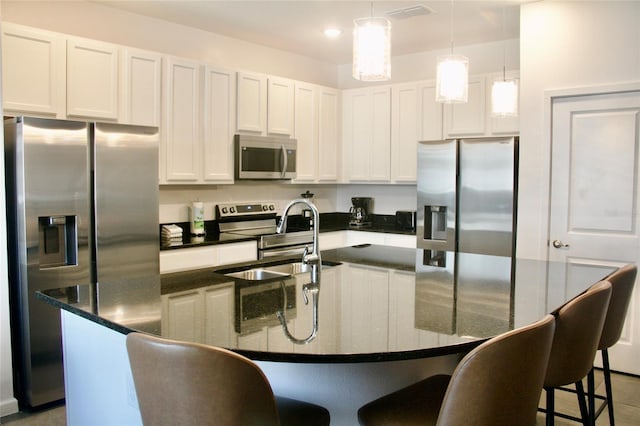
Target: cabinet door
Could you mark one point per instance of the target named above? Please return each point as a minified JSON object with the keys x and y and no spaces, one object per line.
{"x":357,"y":134}
{"x":218,"y":119}
{"x":219,"y":315}
{"x":252,"y":103}
{"x":467,"y":119}
{"x":405,"y":132}
{"x":180,"y":154}
{"x":182,"y":316}
{"x":430,"y":112}
{"x":33,"y":71}
{"x":92,"y":79}
{"x":379,"y":153}
{"x":328,"y":136}
{"x":306,"y":131}
{"x":364,"y":309}
{"x":140,"y":88}
{"x":280,"y":105}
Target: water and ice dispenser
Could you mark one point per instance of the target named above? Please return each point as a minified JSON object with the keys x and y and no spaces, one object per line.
{"x":57,"y":241}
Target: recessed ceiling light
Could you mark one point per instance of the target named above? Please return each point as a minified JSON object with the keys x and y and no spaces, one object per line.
{"x":332,"y":32}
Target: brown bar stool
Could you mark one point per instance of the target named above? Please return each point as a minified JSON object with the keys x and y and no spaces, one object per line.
{"x":497,"y":383}
{"x":579,"y":325}
{"x":181,"y":383}
{"x":622,"y":282}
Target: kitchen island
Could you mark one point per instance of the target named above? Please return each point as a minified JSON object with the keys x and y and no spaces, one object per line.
{"x":387,"y":317}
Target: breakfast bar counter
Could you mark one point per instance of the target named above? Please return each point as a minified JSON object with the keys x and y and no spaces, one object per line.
{"x":386,"y":317}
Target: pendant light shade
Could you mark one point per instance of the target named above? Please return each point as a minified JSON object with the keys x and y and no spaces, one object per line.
{"x":504,"y":98}
{"x":452,"y":79}
{"x":372,"y":49}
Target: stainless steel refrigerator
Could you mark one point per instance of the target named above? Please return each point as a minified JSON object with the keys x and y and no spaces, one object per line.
{"x":82,"y":207}
{"x":466,"y":221}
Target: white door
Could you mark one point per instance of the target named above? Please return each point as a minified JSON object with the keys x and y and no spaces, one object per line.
{"x":594,"y":222}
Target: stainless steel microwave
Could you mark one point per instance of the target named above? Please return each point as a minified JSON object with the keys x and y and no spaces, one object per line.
{"x":264,"y":157}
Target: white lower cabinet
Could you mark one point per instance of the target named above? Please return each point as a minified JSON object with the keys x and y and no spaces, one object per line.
{"x":219,"y":308}
{"x":364,"y":309}
{"x":207,"y":256}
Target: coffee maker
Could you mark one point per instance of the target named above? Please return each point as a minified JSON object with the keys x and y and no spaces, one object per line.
{"x":361,"y":211}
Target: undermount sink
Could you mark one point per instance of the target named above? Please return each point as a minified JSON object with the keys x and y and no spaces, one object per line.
{"x":281,"y":270}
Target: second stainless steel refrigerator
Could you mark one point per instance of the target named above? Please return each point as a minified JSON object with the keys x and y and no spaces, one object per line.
{"x":82,"y":207}
{"x":466,"y":221}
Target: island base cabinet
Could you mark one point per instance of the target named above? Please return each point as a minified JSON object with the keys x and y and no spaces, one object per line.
{"x":99,"y":387}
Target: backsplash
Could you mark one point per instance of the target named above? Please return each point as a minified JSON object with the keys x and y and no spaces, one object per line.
{"x":175,"y":200}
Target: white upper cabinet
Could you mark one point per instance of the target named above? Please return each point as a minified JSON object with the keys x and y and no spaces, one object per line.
{"x":92,"y":79}
{"x":474,"y":117}
{"x":328,"y":134}
{"x":218,"y":124}
{"x":265,"y":105}
{"x":180,"y":153}
{"x":140,"y":87}
{"x":405,"y":131}
{"x":280,"y":106}
{"x":33,"y":71}
{"x":367,"y":134}
{"x":252,"y":103}
{"x":430,"y":112}
{"x":306,"y":132}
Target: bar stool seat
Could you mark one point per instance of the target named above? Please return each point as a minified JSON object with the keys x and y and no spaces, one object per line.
{"x":182,"y":383}
{"x":497,"y":383}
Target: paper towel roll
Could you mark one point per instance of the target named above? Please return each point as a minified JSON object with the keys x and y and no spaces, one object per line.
{"x":197,"y":218}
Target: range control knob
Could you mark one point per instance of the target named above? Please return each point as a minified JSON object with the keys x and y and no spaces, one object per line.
{"x":265,"y":207}
{"x":232,"y":209}
{"x":272,"y":207}
{"x":224,"y":210}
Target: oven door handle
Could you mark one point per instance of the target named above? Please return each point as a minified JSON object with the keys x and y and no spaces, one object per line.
{"x":283,"y":157}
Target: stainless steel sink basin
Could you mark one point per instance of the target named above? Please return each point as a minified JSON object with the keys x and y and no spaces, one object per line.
{"x":274,"y":271}
{"x":258,"y":274}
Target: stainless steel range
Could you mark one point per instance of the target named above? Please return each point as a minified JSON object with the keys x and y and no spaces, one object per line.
{"x":259,"y":219}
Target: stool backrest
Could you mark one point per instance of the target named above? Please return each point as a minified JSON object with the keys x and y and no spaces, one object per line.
{"x":500,"y":381}
{"x":622,"y":282}
{"x":579,"y":325}
{"x":181,"y":383}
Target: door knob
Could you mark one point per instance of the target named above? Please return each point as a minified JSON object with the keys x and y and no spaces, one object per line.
{"x":559,"y":244}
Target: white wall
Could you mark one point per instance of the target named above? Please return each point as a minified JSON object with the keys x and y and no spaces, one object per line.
{"x":386,"y":198}
{"x":483,"y":58}
{"x":95,"y":21}
{"x":564,"y":44}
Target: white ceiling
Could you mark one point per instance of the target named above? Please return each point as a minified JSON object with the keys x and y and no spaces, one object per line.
{"x":297,"y":26}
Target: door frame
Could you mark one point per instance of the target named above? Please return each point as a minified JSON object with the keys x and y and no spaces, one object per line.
{"x":550,"y":96}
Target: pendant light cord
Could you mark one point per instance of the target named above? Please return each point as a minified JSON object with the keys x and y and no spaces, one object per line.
{"x":451,"y":27}
{"x":504,"y":45}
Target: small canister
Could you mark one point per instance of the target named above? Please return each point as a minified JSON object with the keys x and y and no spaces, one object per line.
{"x":197,"y":218}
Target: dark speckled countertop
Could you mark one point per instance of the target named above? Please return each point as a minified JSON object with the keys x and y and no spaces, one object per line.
{"x":329,"y":222}
{"x":377,"y":303}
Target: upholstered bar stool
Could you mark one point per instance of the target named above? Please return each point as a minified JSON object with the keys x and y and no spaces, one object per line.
{"x":579,"y":325}
{"x":181,"y":383}
{"x":622,"y":283}
{"x":497,"y":383}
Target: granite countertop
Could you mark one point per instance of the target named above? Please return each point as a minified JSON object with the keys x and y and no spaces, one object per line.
{"x":329,"y":222}
{"x":377,"y":303}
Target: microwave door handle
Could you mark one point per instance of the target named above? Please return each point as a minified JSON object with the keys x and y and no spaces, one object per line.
{"x":283,"y":153}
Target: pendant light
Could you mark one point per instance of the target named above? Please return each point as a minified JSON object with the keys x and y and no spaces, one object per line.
{"x":452,"y":75}
{"x":372,"y":48}
{"x":504,"y":93}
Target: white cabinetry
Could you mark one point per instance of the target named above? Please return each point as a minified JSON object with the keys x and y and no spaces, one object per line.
{"x":182,"y":316}
{"x":473,"y":118}
{"x":306,"y":131}
{"x":33,"y":71}
{"x":328,"y":134}
{"x":265,"y":104}
{"x":140,"y":87}
{"x":364,"y":309}
{"x":207,"y":256}
{"x":180,"y":148}
{"x":218,"y":328}
{"x":218,"y":124}
{"x":367,"y":134}
{"x":92,"y":79}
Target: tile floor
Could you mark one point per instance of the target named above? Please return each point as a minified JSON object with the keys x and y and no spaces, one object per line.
{"x":626,"y":392}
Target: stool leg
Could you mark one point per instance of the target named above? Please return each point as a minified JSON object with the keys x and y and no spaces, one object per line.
{"x":607,"y":384}
{"x":591,"y":396}
{"x":551,"y":410}
{"x":583,"y":404}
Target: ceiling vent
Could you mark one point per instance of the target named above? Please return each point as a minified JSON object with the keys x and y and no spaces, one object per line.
{"x":409,"y":12}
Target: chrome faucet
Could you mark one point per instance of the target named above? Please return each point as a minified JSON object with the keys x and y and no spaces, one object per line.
{"x":308,"y":257}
